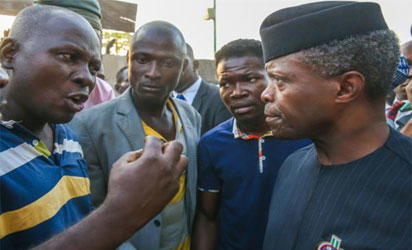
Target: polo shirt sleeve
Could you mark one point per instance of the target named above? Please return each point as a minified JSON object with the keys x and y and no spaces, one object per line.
{"x":208,"y":180}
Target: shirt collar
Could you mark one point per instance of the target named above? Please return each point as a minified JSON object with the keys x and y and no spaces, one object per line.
{"x":190,"y":92}
{"x":238,"y":134}
{"x":8,"y":124}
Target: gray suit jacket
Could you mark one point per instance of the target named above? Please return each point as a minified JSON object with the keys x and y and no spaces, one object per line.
{"x":109,"y":130}
{"x":208,"y":103}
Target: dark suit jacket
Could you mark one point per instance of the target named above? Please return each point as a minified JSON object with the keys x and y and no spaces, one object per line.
{"x":208,"y":103}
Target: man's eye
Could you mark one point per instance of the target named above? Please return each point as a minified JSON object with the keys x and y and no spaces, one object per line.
{"x":169,"y":63}
{"x":66,"y":57}
{"x":141,"y":60}
{"x":253,"y":79}
{"x":223,"y":84}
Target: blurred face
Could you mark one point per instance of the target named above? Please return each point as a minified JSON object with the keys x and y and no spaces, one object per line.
{"x":4,"y":78}
{"x":241,"y":81}
{"x":155,"y":64}
{"x":188,"y":75}
{"x":122,"y":81}
{"x":53,"y":74}
{"x":400,"y":90}
{"x":299,"y":103}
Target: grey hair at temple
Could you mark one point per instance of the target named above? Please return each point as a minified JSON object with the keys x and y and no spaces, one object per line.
{"x":375,"y":55}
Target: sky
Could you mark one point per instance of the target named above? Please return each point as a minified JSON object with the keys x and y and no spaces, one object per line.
{"x":242,"y":18}
{"x":237,"y":19}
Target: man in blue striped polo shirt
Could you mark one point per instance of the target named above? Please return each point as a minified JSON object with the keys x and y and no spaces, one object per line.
{"x":53,"y":55}
{"x":328,"y":82}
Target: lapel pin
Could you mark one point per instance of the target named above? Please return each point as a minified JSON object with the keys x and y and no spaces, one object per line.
{"x":334,"y":244}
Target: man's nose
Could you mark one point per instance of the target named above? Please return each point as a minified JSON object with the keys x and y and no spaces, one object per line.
{"x":153,"y":71}
{"x":238,"y":90}
{"x":268,"y":95}
{"x":84,"y":77}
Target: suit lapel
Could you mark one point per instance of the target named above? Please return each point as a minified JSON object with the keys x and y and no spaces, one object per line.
{"x":191,"y":146}
{"x":200,"y":95}
{"x":128,"y":121}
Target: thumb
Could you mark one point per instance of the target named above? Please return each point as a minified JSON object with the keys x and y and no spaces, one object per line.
{"x":180,"y":166}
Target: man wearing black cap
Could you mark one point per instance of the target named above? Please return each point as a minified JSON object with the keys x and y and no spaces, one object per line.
{"x":328,"y":82}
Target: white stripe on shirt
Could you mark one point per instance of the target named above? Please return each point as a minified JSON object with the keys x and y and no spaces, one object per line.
{"x":13,"y":158}
{"x":68,"y":146}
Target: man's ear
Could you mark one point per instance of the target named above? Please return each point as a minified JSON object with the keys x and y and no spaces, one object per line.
{"x":185,"y":63}
{"x":195,"y":65}
{"x":8,"y":49}
{"x":351,"y":85}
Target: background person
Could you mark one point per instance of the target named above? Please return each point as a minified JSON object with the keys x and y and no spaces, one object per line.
{"x":203,"y":96}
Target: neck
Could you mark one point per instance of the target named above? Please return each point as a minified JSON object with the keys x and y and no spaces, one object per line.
{"x":15,"y":112}
{"x":190,"y":82}
{"x":352,"y":137}
{"x":146,"y":109}
{"x":257,"y":127}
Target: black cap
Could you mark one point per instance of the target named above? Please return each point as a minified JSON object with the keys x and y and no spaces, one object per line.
{"x":301,"y":27}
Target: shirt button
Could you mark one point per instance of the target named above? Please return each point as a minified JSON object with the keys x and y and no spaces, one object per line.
{"x":157,"y":223}
{"x":263,"y":158}
{"x":262,"y":140}
{"x":35,"y":142}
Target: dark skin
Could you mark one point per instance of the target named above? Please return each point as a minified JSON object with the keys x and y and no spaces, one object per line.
{"x":189,"y":74}
{"x":68,"y":56}
{"x":400,"y":91}
{"x":406,"y":50}
{"x":344,"y":123}
{"x":4,"y":78}
{"x":63,"y":69}
{"x":122,"y":81}
{"x":155,"y":62}
{"x":242,"y":81}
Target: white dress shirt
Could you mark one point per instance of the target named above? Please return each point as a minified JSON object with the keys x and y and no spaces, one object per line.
{"x":190,"y":92}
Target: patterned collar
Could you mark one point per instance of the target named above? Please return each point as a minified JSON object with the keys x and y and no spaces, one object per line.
{"x":239,"y":134}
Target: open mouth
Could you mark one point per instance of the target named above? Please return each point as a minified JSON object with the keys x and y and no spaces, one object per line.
{"x":76,"y":101}
{"x":78,"y":98}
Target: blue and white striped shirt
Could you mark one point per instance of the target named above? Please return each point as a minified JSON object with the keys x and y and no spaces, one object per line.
{"x":41,"y":193}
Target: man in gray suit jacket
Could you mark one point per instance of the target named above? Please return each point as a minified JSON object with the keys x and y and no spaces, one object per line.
{"x":203,"y":96}
{"x":109,"y":130}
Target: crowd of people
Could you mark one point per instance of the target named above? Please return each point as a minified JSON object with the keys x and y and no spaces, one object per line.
{"x":304,"y":143}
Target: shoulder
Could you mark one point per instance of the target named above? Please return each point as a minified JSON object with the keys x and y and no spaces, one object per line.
{"x":400,"y":145}
{"x":99,"y":112}
{"x":66,"y":132}
{"x":218,"y":132}
{"x":211,"y":88}
{"x":300,"y":156}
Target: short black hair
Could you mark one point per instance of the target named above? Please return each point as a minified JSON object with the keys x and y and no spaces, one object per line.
{"x":189,"y":51}
{"x":26,"y":25}
{"x":120,"y":72}
{"x":240,"y":48}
